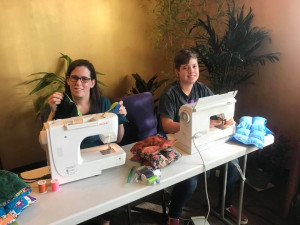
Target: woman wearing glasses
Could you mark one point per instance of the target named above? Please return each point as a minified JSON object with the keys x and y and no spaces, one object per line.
{"x":82,"y":89}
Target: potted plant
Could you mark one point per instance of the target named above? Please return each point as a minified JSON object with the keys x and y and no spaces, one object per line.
{"x":46,"y":83}
{"x":150,"y":86}
{"x":172,"y":20}
{"x":231,"y":58}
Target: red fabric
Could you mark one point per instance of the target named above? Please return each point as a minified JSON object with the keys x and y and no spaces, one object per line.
{"x":154,"y":151}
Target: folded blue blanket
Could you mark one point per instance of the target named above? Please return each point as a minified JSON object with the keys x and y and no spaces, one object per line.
{"x":251,"y":131}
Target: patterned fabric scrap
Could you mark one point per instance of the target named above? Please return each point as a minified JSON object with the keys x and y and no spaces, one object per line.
{"x":19,"y":206}
{"x":13,"y":197}
{"x":12,"y":210}
{"x":154,"y":151}
{"x":7,"y":219}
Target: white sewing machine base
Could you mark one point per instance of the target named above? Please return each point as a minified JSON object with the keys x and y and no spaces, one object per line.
{"x":95,"y":160}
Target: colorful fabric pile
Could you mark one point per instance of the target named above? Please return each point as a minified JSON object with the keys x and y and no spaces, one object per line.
{"x":14,"y":197}
{"x":154,"y":151}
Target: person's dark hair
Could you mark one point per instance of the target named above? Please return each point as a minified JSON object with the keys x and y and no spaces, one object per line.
{"x":183,"y":57}
{"x":95,"y":92}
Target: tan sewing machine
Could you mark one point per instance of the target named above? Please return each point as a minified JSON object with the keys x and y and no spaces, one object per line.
{"x":195,"y":122}
{"x":62,"y":138}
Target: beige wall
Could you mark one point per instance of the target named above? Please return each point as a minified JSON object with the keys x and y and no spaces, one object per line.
{"x":111,"y":34}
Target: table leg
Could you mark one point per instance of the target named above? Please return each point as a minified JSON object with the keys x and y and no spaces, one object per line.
{"x":242,"y":183}
{"x":163,"y":202}
{"x":241,"y":194}
{"x":221,"y":214}
{"x":129,"y":214}
{"x":224,"y":190}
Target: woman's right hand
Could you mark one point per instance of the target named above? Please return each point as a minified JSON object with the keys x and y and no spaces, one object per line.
{"x":54,"y":100}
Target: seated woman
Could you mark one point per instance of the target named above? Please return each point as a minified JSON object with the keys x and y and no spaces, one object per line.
{"x":82,"y":90}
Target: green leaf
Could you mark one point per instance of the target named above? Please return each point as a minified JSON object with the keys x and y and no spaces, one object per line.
{"x":99,"y":73}
{"x":67,"y":58}
{"x":101,"y":83}
{"x":150,"y":82}
{"x":231,"y":57}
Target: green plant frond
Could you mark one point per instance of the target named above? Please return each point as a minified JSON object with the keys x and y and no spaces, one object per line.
{"x":139,"y":81}
{"x":232,"y":58}
{"x":49,"y":77}
{"x":136,"y":76}
{"x":134,"y":91}
{"x":261,"y":59}
{"x":99,"y":73}
{"x":141,"y":86}
{"x":101,"y":83}
{"x":150,"y":82}
{"x":40,"y":86}
{"x":38,"y":73}
{"x":42,"y":102}
{"x":31,"y":81}
{"x":67,"y":58}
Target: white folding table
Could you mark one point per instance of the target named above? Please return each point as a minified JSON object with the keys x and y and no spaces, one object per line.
{"x":84,"y":199}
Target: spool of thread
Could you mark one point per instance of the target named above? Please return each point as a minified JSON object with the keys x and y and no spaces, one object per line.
{"x":54,"y":185}
{"x":152,"y":179}
{"x":42,"y":186}
{"x":149,"y":180}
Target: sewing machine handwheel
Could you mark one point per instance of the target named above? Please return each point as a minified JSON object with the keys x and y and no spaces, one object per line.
{"x":185,"y":117}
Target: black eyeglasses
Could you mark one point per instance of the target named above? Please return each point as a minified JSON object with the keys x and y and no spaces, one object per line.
{"x":75,"y":78}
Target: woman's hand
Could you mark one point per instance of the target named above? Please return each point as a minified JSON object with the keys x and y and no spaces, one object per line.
{"x":54,"y":100}
{"x":122,"y":109}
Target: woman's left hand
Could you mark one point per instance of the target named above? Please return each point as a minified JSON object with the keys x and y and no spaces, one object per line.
{"x":122,"y":109}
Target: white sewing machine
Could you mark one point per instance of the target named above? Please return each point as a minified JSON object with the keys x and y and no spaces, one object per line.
{"x":62,"y":139}
{"x":195,"y":122}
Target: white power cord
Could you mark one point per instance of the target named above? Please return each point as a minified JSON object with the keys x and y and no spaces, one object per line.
{"x":197,"y":135}
{"x":239,"y":169}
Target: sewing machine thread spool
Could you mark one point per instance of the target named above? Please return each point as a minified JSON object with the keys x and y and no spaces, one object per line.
{"x":55,"y":185}
{"x":152,"y":179}
{"x":42,"y":186}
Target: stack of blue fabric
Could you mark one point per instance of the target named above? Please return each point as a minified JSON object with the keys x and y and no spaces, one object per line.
{"x":14,"y":197}
{"x":251,"y":131}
